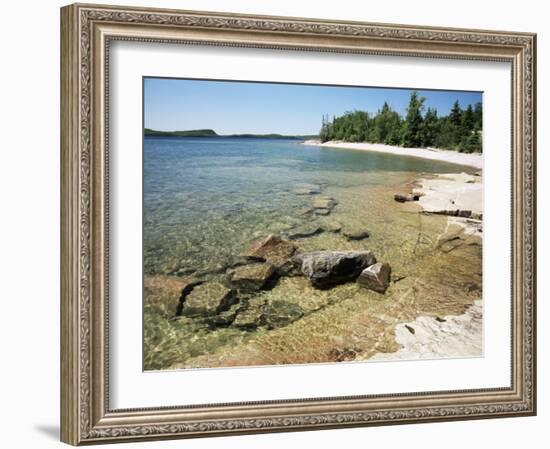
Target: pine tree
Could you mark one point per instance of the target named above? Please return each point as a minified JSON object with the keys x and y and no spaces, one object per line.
{"x":455,"y":116}
{"x":430,"y":128}
{"x":413,"y":122}
{"x":468,"y":119}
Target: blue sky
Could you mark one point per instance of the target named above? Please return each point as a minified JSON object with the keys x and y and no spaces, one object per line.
{"x":248,"y":107}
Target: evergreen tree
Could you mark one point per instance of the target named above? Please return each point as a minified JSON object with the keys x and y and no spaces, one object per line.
{"x":471,"y":143}
{"x":468,"y":119}
{"x":413,"y":122}
{"x":386,"y":126}
{"x":455,"y":116}
{"x":460,"y":130}
{"x":430,"y":128}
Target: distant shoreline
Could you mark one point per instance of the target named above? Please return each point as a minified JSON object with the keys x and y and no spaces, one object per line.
{"x":211,"y":133}
{"x":454,"y":157}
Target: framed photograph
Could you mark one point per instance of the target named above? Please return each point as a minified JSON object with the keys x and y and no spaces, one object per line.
{"x":279,"y":224}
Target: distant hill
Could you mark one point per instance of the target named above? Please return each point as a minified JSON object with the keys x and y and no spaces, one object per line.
{"x":267,"y":136}
{"x":189,"y":133}
{"x":212,"y":133}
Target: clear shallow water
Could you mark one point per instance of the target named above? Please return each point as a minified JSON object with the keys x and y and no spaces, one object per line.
{"x":206,"y":198}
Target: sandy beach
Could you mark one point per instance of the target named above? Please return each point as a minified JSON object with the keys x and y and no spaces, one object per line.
{"x":454,"y":157}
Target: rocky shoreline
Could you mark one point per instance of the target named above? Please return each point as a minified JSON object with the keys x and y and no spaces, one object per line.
{"x":242,"y":297}
{"x":230,"y":301}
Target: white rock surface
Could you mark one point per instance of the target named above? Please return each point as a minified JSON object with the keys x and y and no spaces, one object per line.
{"x":451,"y":192}
{"x":457,"y":336}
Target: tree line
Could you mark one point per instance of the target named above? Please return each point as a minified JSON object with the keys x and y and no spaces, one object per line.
{"x":460,"y":130}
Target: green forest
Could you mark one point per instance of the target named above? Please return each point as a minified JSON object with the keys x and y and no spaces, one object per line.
{"x":421,"y":127}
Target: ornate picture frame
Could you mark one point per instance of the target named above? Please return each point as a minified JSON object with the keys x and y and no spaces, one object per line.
{"x":87,"y":32}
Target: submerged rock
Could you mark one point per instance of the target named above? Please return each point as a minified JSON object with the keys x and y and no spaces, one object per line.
{"x":252,"y":277}
{"x":277,"y":313}
{"x":376,"y":277}
{"x":328,"y":268}
{"x":323,"y":202}
{"x":280,"y":313}
{"x":323,"y":205}
{"x":355,"y":233}
{"x":248,"y":318}
{"x":274,"y":250}
{"x":304,"y":231}
{"x":208,"y":299}
{"x":331,"y":226}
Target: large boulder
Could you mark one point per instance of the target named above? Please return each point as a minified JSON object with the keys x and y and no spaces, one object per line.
{"x":207,"y":300}
{"x":376,"y":277}
{"x":327,"y":268}
{"x":252,"y":277}
{"x":274,"y":250}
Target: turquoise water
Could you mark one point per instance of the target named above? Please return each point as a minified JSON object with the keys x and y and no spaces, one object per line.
{"x":206,"y":198}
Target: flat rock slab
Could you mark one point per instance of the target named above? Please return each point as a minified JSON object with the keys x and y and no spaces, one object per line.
{"x":376,"y":277}
{"x":451,"y":336}
{"x":453,"y":194}
{"x":327,"y":268}
{"x":208,"y":299}
{"x":252,"y":277}
{"x":305,"y":231}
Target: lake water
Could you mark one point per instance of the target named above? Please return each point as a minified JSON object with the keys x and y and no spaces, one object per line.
{"x":204,"y":198}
